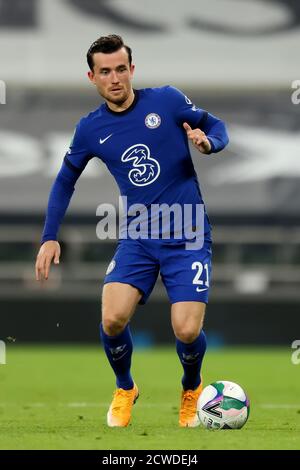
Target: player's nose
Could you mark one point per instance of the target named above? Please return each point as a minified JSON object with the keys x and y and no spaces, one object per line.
{"x":114,"y":77}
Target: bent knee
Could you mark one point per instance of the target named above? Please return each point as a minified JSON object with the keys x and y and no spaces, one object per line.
{"x":187,"y":335}
{"x":114,"y":324}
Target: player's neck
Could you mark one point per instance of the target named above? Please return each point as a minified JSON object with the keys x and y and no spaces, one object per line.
{"x":117,"y":108}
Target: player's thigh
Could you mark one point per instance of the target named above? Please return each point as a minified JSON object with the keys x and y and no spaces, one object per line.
{"x":119,"y":301}
{"x":119,"y":296}
{"x":134,"y":263}
{"x":187,"y":320}
{"x":185,"y":272}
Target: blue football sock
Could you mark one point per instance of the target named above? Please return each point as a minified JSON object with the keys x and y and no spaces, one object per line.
{"x":118,"y":350}
{"x":191,"y":356}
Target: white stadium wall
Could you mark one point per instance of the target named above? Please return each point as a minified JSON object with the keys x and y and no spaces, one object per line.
{"x":216,"y":43}
{"x":237,"y":59}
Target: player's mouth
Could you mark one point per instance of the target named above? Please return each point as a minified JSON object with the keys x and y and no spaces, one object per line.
{"x":115,"y":90}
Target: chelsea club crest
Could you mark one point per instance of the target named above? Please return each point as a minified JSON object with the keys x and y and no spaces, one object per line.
{"x":152,"y":120}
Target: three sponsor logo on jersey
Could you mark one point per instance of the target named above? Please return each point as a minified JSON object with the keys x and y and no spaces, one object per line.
{"x":145,"y":169}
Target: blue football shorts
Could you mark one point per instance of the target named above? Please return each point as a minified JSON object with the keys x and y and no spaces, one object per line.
{"x":184,"y":273}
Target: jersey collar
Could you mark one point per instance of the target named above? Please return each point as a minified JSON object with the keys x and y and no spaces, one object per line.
{"x":133,"y":104}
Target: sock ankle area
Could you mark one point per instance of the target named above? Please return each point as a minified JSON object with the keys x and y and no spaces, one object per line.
{"x":191,"y":357}
{"x":118,"y":350}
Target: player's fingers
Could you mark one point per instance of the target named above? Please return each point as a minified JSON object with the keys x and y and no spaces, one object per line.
{"x":202,"y":135}
{"x":206,"y":145}
{"x":198,"y":136}
{"x":47,"y":267}
{"x":203,"y":148}
{"x":56,"y":257}
{"x":39,"y":268}
{"x":198,"y":139}
{"x":37,"y":271}
{"x":187,"y":127}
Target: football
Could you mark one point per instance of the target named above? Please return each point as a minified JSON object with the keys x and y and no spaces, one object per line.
{"x":223,"y":405}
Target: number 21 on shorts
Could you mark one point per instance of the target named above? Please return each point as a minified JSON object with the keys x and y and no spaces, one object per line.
{"x":200,"y":269}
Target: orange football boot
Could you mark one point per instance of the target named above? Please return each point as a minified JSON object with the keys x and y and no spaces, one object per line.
{"x":119,"y":412}
{"x":188,"y":409}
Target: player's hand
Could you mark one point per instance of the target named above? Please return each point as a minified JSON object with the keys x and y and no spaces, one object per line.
{"x":49,"y":251}
{"x":198,"y":137}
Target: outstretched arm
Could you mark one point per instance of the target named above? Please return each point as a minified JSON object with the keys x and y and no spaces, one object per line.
{"x":62,"y":190}
{"x":59,"y":199}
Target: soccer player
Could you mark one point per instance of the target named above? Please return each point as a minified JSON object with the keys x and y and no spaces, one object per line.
{"x":142,"y":136}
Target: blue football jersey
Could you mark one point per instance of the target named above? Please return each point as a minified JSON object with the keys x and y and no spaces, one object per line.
{"x":146,"y":148}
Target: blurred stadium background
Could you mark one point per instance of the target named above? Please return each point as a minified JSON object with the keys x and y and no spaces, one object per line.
{"x":235,"y":59}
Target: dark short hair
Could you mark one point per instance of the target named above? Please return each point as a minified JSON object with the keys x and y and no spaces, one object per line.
{"x":107,"y":45}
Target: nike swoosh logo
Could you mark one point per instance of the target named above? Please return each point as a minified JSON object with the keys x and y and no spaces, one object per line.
{"x":101,"y":141}
{"x":120,"y":357}
{"x":201,"y":290}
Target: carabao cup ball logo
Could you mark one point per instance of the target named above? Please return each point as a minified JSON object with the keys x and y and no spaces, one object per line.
{"x":145,"y":168}
{"x":152,"y":120}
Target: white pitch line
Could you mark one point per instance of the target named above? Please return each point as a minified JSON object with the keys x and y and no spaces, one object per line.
{"x":282,"y":406}
{"x":100,"y":405}
{"x":83,"y":405}
{"x":270,"y":406}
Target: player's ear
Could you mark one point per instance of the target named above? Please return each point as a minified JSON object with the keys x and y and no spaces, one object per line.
{"x":91,"y":76}
{"x":132,"y":68}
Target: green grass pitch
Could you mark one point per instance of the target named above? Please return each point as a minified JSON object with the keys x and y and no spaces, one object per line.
{"x":57,"y":397}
